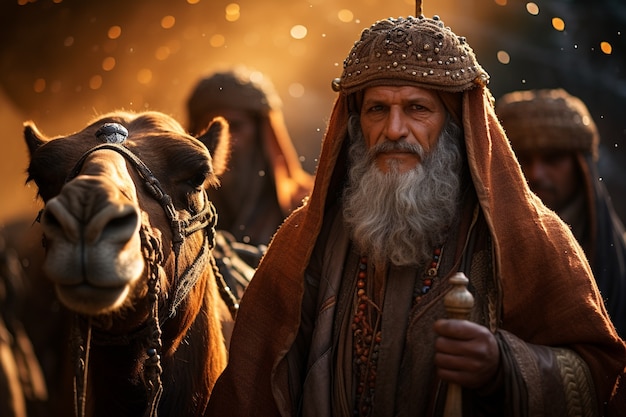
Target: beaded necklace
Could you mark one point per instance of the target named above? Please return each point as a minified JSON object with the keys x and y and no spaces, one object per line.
{"x":429,"y":276}
{"x":366,"y":341}
{"x":366,"y":332}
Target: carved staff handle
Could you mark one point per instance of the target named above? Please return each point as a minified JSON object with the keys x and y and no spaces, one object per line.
{"x":458,"y":303}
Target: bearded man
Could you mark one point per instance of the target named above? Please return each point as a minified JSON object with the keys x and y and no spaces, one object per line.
{"x":415,"y":183}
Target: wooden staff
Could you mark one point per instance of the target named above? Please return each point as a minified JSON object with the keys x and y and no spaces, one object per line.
{"x":458,"y":303}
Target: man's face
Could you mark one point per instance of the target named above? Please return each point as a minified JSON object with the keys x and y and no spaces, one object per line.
{"x":552,"y":175}
{"x":404,"y":115}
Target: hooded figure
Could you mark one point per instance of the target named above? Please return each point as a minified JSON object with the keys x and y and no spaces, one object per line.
{"x":265,"y":181}
{"x":556,"y":142}
{"x":340,"y":322}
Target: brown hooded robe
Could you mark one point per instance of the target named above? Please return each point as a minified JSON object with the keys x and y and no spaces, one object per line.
{"x":547,"y":295}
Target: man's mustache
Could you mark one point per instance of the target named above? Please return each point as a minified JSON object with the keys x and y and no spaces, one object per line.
{"x":397,"y":146}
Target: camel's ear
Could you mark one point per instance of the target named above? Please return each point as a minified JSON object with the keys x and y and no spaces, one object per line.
{"x":216,"y":138}
{"x":33,"y":137}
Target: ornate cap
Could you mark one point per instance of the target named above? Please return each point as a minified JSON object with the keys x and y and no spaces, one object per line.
{"x":238,"y":88}
{"x":411,"y":50}
{"x":549,"y":119}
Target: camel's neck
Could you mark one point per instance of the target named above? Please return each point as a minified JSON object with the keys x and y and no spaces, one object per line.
{"x":115,"y":382}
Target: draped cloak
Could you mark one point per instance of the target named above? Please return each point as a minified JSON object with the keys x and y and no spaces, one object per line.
{"x":548,"y":306}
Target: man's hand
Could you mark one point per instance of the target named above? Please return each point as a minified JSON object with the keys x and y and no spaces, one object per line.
{"x":466,"y":353}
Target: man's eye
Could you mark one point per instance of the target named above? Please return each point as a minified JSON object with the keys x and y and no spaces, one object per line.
{"x":376,"y":108}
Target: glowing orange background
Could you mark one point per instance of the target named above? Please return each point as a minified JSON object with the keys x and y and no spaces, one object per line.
{"x":64,"y":61}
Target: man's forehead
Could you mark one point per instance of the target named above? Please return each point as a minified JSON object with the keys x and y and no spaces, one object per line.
{"x":407,"y":91}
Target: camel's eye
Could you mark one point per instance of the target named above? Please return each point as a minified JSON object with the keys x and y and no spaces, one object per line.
{"x":198,"y":180}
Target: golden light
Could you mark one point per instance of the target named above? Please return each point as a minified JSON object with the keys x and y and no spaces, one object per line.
{"x":298,"y":32}
{"x":501,"y":2}
{"x":233,"y":12}
{"x":606,"y":47}
{"x":95,"y":82}
{"x":193,"y":1}
{"x":69,"y":41}
{"x":296,"y":90}
{"x":144,"y":76}
{"x":108,"y":63}
{"x":168,"y":22}
{"x":162,"y":53}
{"x":114,"y":32}
{"x":39,"y":85}
{"x":217,"y":40}
{"x":558,"y":24}
{"x":257,"y":77}
{"x":345,"y":15}
{"x":532,"y":8}
{"x":503,"y":57}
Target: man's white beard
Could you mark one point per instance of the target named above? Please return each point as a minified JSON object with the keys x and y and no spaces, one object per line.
{"x":401,"y":217}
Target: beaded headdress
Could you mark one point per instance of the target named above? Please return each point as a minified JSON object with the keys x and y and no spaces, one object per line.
{"x":549,"y":119}
{"x":411,"y":50}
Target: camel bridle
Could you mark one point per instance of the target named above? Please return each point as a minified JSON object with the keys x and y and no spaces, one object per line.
{"x":203,"y":221}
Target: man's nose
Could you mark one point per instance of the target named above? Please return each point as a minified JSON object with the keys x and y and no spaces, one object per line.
{"x":396,"y":127}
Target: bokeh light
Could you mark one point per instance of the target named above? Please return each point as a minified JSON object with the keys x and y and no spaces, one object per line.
{"x":108,"y":63}
{"x":503,"y":57}
{"x":606,"y":48}
{"x":95,"y":82}
{"x":233,"y":12}
{"x":298,"y":32}
{"x":217,"y":40}
{"x":39,"y":85}
{"x":296,"y":90}
{"x":114,"y":32}
{"x":144,"y":76}
{"x":558,"y":24}
{"x":345,"y":15}
{"x":96,"y":56}
{"x":532,"y":8}
{"x":168,"y":22}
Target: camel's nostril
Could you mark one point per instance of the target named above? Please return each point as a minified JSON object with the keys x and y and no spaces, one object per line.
{"x":58,"y":221}
{"x":121,"y":226}
{"x":123,"y":221}
{"x":115,"y":223}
